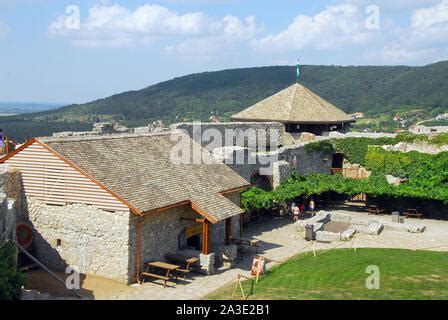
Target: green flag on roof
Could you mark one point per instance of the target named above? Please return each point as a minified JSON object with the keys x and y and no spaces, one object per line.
{"x":298,"y":71}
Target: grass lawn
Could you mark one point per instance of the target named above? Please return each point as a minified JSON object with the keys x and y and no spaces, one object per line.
{"x":341,"y":274}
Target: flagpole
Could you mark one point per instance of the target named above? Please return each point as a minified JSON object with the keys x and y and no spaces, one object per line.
{"x":297,"y":71}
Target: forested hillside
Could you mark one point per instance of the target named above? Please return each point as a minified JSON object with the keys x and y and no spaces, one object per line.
{"x":374,"y":90}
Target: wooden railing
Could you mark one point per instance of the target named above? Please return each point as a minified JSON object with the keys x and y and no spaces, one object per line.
{"x":352,"y":173}
{"x":10,"y":146}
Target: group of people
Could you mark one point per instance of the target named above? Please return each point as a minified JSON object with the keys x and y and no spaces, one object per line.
{"x":299,"y":210}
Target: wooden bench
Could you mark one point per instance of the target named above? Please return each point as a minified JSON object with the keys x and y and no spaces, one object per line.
{"x":187,"y":263}
{"x":183,"y":272}
{"x":156,"y":276}
{"x":372,"y":209}
{"x":413,"y":213}
{"x":247,"y":242}
{"x":162,"y":266}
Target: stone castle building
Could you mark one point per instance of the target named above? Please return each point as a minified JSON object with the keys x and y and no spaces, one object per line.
{"x":110,"y":199}
{"x":108,"y":203}
{"x":299,"y":110}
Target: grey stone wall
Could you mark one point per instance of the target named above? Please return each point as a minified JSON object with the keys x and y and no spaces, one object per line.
{"x":9,"y":195}
{"x":159,"y":235}
{"x":8,"y":214}
{"x":92,"y":240}
{"x":307,"y":162}
{"x":105,"y":243}
{"x":279,"y":165}
{"x":241,"y":130}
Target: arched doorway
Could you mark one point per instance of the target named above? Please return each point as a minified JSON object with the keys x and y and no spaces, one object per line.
{"x":338,"y":161}
{"x":262,"y":182}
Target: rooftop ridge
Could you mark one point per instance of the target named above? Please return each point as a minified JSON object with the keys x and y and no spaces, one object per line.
{"x":296,"y":86}
{"x":98,"y":137}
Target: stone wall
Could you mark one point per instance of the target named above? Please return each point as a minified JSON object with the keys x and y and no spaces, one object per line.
{"x":105,"y":243}
{"x":430,"y":130}
{"x":240,"y":129}
{"x":419,"y":147}
{"x":159,"y":235}
{"x":99,"y":128}
{"x":9,"y":195}
{"x":306,"y":162}
{"x":92,"y":240}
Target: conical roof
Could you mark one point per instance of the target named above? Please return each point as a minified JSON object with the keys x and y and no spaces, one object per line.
{"x":295,"y":104}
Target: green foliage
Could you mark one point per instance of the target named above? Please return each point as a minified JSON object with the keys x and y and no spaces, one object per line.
{"x":355,"y":149}
{"x":426,"y":175}
{"x":427,"y":178}
{"x":323,"y":146}
{"x":11,"y":280}
{"x":297,"y":187}
{"x":439,"y":139}
{"x":196,"y":96}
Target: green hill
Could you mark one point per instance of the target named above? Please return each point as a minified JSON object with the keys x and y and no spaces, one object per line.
{"x":371,"y":89}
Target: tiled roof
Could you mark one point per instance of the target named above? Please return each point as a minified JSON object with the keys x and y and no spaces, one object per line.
{"x":295,"y":104}
{"x":138,"y":168}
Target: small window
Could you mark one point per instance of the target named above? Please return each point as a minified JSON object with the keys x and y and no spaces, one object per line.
{"x":54,"y":205}
{"x":58,"y":242}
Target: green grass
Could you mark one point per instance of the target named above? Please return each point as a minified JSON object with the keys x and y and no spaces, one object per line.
{"x":341,"y":274}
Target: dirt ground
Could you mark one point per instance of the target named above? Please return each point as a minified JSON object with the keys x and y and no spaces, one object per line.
{"x":92,"y":287}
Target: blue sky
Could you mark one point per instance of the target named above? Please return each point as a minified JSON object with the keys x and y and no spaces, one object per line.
{"x":47,"y":54}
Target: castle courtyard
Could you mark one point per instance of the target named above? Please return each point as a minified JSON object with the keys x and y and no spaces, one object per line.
{"x":278,"y":241}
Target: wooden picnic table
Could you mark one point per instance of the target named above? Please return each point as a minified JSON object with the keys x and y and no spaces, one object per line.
{"x":413,"y":213}
{"x":374,"y":209}
{"x":247,"y":242}
{"x":169,"y":268}
{"x":187,"y":261}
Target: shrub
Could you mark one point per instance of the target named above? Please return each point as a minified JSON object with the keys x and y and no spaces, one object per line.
{"x":11,"y":280}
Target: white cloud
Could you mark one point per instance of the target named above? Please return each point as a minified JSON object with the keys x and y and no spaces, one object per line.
{"x":430,"y":25}
{"x":118,"y":26}
{"x":424,"y":40}
{"x":334,"y":26}
{"x":223,"y":35}
{"x":431,"y":16}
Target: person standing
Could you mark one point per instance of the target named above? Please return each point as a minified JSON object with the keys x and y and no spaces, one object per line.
{"x":296,"y":213}
{"x":302,"y":209}
{"x":293,"y":205}
{"x":311,"y":206}
{"x":2,"y":141}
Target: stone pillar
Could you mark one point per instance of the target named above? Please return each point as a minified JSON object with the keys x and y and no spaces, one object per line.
{"x":207,"y":262}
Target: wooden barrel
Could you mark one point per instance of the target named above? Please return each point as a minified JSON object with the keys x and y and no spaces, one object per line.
{"x":24,"y":234}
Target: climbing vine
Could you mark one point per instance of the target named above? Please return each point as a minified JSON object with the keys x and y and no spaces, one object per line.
{"x":424,"y":176}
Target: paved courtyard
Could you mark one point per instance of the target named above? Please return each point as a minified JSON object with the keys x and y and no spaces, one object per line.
{"x":279,"y":241}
